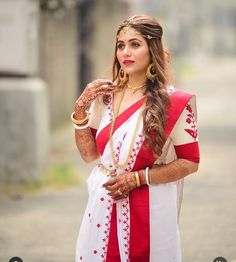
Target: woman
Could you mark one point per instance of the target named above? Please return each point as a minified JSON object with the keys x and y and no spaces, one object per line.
{"x":144,"y":132}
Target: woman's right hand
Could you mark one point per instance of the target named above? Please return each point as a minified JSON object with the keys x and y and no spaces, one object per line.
{"x":91,"y":92}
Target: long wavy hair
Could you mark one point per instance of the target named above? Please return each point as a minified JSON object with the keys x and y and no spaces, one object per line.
{"x":157,"y":97}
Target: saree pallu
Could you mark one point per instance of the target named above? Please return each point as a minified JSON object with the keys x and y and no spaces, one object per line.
{"x":144,"y":226}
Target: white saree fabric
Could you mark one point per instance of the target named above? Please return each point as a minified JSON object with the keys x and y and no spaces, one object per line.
{"x":92,"y":241}
{"x":165,"y":199}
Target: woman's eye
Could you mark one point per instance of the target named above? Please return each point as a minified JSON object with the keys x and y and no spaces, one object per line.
{"x":135,"y":44}
{"x":120,"y":46}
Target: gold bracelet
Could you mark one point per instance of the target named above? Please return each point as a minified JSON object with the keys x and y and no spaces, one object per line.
{"x":80,"y":121}
{"x":137,"y":179}
{"x":147,"y":176}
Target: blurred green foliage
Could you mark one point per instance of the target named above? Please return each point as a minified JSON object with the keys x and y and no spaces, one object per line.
{"x":184,"y":68}
{"x":59,"y":176}
{"x":56,"y":176}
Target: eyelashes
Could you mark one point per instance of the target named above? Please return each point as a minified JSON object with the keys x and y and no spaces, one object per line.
{"x":121,"y":46}
{"x":135,"y":44}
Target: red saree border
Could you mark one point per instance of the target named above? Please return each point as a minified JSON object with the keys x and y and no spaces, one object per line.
{"x":139,"y":198}
{"x":103,"y":136}
{"x":178,"y":101}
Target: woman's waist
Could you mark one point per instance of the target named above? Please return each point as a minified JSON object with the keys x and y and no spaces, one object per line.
{"x":112,"y":170}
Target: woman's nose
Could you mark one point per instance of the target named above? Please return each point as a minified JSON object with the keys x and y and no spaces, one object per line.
{"x":127,"y":51}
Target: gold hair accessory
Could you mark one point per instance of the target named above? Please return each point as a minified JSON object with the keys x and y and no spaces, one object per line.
{"x":80,"y":122}
{"x":148,"y":37}
{"x":125,"y":29}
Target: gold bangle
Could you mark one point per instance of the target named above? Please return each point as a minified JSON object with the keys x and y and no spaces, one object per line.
{"x":149,"y":175}
{"x":80,"y":121}
{"x":137,"y":179}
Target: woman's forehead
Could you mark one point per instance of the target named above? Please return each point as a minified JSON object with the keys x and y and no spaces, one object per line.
{"x":127,"y":33}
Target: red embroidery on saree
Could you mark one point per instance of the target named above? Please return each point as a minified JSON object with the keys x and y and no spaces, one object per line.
{"x":126,"y":227}
{"x":134,"y":152}
{"x":118,"y":148}
{"x":191,"y":120}
{"x":124,"y":219}
{"x":106,"y":231}
{"x":109,"y":107}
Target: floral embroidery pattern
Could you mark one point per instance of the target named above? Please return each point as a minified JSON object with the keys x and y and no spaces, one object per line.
{"x":124,"y":218}
{"x":109,"y":107}
{"x":125,"y":205}
{"x":106,"y":231}
{"x":135,"y":150}
{"x":118,"y":148}
{"x":191,"y":120}
{"x":126,"y":227}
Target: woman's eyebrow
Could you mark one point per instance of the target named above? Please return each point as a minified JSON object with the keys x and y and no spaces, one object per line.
{"x":130,"y":40}
{"x":135,"y":39}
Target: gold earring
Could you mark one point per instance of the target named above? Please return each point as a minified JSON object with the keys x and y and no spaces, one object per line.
{"x":151,"y":72}
{"x":123,"y":76}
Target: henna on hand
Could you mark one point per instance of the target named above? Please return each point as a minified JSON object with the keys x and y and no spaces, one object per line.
{"x":90,"y":93}
{"x":170,"y":172}
{"x":125,"y":182}
{"x":86,"y":144}
{"x":84,"y":139}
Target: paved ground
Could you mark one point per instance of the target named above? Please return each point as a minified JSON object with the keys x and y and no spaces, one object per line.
{"x":43,"y":227}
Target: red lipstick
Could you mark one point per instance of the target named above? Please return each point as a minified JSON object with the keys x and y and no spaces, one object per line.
{"x":128,"y":62}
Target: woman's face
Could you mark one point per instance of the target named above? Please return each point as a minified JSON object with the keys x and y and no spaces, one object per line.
{"x":132,"y":51}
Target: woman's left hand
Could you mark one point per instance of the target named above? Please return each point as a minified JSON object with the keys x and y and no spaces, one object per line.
{"x":120,"y":186}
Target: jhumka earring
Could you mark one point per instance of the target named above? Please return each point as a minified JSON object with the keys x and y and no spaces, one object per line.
{"x":151,"y":72}
{"x":123,"y":76}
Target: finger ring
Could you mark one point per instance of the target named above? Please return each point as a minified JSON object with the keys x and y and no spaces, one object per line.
{"x":119,"y":191}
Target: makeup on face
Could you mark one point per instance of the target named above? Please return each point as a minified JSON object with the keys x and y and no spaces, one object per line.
{"x":132,"y":52}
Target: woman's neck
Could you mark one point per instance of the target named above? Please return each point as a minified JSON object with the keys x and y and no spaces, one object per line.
{"x":137,"y":80}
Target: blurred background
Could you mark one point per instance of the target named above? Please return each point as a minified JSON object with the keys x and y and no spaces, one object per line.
{"x":49,"y":51}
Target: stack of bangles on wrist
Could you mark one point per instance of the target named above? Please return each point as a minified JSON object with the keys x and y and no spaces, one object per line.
{"x":80,"y":123}
{"x":147,"y":177}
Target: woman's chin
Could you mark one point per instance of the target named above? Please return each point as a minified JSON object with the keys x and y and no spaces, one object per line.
{"x":133,"y":73}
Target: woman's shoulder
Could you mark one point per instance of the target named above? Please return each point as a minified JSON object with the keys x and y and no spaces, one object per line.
{"x":178,"y":92}
{"x":179,"y":96}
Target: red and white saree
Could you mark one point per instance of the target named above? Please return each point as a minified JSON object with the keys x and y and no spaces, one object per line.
{"x":144,"y":226}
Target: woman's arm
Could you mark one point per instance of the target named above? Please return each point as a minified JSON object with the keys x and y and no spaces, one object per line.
{"x":170,"y":172}
{"x":86,"y":144}
{"x":84,"y":138}
{"x":173,"y":171}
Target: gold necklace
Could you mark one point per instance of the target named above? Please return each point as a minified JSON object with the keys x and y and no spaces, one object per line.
{"x":134,"y":88}
{"x":116,"y":112}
